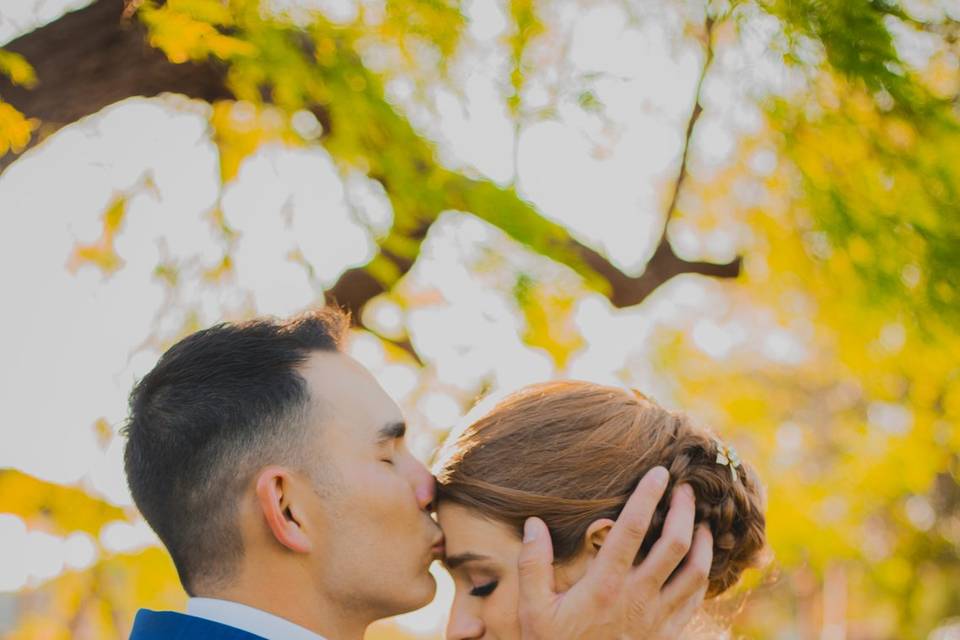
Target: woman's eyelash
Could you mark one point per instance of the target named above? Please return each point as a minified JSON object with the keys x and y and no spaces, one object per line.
{"x":484,"y":590}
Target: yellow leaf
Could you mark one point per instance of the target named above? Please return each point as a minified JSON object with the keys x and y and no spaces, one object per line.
{"x":226,"y":47}
{"x":101,"y":252}
{"x":15,"y":129}
{"x":186,"y":31}
{"x":56,"y":508}
{"x":210,"y":11}
{"x":221,"y":271}
{"x":16,"y":67}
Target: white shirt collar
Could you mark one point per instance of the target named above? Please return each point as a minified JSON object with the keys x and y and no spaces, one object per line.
{"x":249,"y":619}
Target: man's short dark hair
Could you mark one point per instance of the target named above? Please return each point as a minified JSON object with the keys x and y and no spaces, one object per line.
{"x":219,"y":405}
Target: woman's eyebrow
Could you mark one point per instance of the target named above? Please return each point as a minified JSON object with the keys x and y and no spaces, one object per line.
{"x":452,"y":562}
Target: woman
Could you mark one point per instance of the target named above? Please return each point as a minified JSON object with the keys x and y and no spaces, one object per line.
{"x":570,"y":453}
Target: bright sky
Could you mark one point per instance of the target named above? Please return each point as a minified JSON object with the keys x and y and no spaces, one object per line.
{"x":74,"y":342}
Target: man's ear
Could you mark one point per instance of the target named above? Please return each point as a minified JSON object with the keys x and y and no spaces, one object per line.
{"x":596,"y":535}
{"x":274,"y":498}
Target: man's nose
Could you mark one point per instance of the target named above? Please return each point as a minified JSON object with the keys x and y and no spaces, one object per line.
{"x":426,"y":489}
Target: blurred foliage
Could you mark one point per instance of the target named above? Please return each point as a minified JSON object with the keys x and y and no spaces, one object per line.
{"x":100,"y":602}
{"x":102,"y":253}
{"x":53,"y":508}
{"x":15,"y":128}
{"x":888,"y":195}
{"x":849,"y":193}
{"x":858,"y":443}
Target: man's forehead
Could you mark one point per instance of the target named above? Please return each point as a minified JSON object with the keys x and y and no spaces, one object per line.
{"x":340,"y":387}
{"x":325,"y":363}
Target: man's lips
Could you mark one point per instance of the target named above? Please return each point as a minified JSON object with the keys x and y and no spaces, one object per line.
{"x":438,"y":548}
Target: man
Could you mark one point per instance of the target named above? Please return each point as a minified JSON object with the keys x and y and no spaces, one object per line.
{"x":273,"y":468}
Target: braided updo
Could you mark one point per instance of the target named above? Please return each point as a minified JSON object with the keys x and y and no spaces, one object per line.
{"x":572,"y":452}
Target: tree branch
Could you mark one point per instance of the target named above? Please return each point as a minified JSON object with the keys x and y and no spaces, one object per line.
{"x":95,"y":57}
{"x":691,"y":124}
{"x":353,"y":290}
{"x":626,"y":291}
{"x":92,"y":58}
{"x":665,"y":264}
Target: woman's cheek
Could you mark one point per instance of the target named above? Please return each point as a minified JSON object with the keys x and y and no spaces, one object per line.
{"x":507,"y":610}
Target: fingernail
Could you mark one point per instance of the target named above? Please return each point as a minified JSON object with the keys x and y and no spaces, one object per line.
{"x":660,"y":475}
{"x":687,"y":489}
{"x":530,"y":530}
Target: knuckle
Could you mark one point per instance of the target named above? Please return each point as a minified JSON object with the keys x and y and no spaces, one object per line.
{"x":636,"y":529}
{"x":701,"y":575}
{"x":606,"y":593}
{"x":639,"y":609}
{"x":677,"y":547}
{"x":527,"y":565}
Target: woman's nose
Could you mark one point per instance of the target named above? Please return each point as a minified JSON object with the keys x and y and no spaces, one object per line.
{"x":463,"y":626}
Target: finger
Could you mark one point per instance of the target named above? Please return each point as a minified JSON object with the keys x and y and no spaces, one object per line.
{"x":536,"y":568}
{"x":678,"y":619}
{"x":622,"y":544}
{"x":693,"y":577}
{"x":675,"y":539}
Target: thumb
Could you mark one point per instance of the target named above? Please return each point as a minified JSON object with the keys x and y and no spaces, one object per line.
{"x":536,"y":569}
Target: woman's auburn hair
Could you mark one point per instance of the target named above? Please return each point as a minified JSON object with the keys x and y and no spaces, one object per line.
{"x":572,"y":452}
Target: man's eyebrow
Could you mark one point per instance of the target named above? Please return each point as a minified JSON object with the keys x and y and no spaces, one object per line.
{"x":392,"y":431}
{"x":455,"y":561}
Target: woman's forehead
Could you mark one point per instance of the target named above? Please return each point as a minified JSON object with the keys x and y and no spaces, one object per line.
{"x":467,"y":531}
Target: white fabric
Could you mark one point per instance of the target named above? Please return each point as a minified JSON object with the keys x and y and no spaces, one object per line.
{"x":249,"y":619}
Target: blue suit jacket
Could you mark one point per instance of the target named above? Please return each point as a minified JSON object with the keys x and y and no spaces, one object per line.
{"x":170,"y":625}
